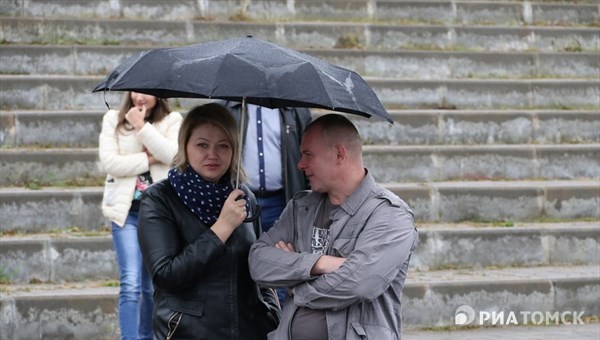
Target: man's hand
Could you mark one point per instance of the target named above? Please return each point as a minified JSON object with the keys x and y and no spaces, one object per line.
{"x":327,"y":264}
{"x":285,"y":246}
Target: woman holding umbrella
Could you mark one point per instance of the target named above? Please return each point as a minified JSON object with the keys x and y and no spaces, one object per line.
{"x":195,"y":241}
{"x":136,"y":146}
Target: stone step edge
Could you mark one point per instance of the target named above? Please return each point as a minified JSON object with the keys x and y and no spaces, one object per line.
{"x":563,"y":330}
{"x":425,"y":227}
{"x":470,"y":276}
{"x":541,"y":226}
{"x":317,"y":111}
{"x":539,"y":93}
{"x":381,"y":80}
{"x":555,"y":245}
{"x":455,"y":37}
{"x":440,"y":10}
{"x":291,"y":9}
{"x":317,"y":50}
{"x":368,"y":149}
{"x":523,"y":29}
{"x":479,"y":278}
{"x":424,"y":304}
{"x":79,"y":60}
{"x":590,"y":183}
{"x":491,"y":201}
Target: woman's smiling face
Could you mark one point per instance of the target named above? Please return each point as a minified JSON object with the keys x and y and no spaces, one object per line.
{"x":209,"y":152}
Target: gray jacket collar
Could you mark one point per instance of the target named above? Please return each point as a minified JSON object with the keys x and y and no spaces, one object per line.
{"x":352,"y":203}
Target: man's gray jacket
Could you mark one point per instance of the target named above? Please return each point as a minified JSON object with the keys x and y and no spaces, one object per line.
{"x":374,"y":230}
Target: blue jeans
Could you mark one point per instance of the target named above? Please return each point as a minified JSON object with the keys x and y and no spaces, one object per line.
{"x":272,"y":207}
{"x":135,"y":295}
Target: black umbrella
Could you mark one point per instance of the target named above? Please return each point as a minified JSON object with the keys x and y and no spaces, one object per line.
{"x":246,"y":70}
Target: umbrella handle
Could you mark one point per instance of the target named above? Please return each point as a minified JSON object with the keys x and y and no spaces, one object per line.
{"x":255,"y":214}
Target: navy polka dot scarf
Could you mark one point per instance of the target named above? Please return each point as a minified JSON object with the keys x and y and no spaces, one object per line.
{"x":203,"y":198}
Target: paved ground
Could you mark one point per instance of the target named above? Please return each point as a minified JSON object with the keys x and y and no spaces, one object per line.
{"x":580,"y":332}
{"x":503,"y":274}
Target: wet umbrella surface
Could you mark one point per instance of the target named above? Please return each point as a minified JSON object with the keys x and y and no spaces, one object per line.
{"x":246,"y":69}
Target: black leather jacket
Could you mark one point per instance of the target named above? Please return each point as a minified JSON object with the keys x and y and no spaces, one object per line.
{"x":293,"y":122}
{"x":202,"y":286}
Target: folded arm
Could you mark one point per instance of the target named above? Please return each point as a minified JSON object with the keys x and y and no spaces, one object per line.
{"x":277,"y":268}
{"x":381,"y":249}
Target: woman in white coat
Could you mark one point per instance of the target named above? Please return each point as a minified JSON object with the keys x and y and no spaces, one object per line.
{"x":136,"y":148}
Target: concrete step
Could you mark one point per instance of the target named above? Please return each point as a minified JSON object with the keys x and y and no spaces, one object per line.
{"x":26,"y":167}
{"x":79,"y":128}
{"x":456,"y":127}
{"x":75,"y":256}
{"x":24,"y":92}
{"x":501,"y":200}
{"x":299,"y":34}
{"x":445,"y":12}
{"x":25,"y":210}
{"x":473,"y":246}
{"x":590,"y":330}
{"x":100,"y":60}
{"x":50,"y":209}
{"x":75,"y":129}
{"x":477,"y":162}
{"x":387,"y":163}
{"x":85,"y":310}
{"x":59,"y":257}
{"x":431,"y":299}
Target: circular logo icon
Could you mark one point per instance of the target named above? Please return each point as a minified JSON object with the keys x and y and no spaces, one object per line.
{"x":464,"y":315}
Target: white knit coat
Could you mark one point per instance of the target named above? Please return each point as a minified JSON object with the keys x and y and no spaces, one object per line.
{"x":123,"y":159}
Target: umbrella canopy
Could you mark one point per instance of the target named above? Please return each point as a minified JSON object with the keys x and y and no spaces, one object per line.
{"x":246,"y":69}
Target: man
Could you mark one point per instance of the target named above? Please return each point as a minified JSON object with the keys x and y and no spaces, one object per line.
{"x":343,"y":248}
{"x":271,"y":151}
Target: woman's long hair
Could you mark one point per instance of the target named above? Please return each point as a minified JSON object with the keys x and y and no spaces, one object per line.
{"x":157,"y":113}
{"x":217,"y":115}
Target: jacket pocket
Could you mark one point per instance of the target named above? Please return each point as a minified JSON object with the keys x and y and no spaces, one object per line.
{"x":110,"y":191}
{"x":343,"y":246}
{"x":178,"y":318}
{"x":192,"y":307}
{"x":370,"y":332}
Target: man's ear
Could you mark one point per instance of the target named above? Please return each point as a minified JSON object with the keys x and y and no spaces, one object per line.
{"x":340,"y":152}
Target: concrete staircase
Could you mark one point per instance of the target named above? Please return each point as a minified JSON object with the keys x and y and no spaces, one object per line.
{"x":496,"y":144}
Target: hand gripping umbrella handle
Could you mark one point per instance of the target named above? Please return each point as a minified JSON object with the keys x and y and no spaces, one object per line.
{"x":252,"y":216}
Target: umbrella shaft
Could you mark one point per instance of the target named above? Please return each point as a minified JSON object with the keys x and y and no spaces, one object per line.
{"x":241,"y":141}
